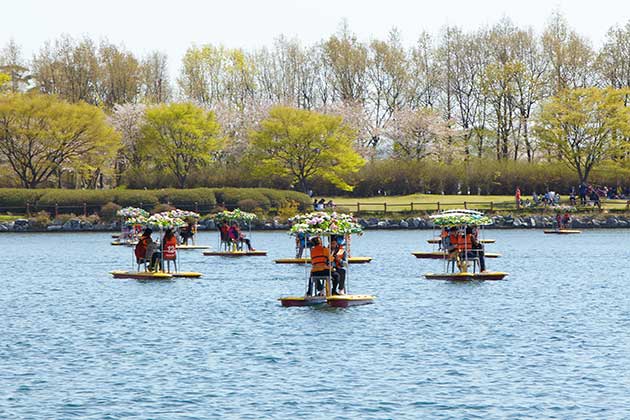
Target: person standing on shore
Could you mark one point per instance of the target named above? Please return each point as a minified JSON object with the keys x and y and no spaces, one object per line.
{"x":517,"y":196}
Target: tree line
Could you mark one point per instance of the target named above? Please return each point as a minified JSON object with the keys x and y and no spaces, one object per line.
{"x":497,"y":93}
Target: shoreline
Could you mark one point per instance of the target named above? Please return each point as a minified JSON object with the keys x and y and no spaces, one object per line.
{"x":605,"y":221}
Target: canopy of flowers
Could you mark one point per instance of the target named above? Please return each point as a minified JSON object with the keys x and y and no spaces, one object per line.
{"x":164,"y":221}
{"x":135,"y":220}
{"x":130,"y":212}
{"x":321,"y":223}
{"x":234,"y":216}
{"x":461,"y":219}
{"x":183,"y":214}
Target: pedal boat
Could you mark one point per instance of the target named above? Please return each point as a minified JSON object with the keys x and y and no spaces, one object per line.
{"x":187,"y":247}
{"x":483,"y":241}
{"x":561,"y":231}
{"x":351,"y":260}
{"x":344,"y":301}
{"x":439,"y":255}
{"x":141,"y":275}
{"x":235,"y":253}
{"x":302,"y":301}
{"x":466,"y":276}
{"x":186,"y":274}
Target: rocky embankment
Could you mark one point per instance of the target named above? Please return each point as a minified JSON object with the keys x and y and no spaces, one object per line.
{"x":500,"y":222}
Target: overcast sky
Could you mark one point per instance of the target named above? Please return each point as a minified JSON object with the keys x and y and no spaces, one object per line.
{"x":173,"y":26}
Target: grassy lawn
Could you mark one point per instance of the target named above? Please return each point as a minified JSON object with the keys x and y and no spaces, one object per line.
{"x":6,"y":218}
{"x":429,"y":202}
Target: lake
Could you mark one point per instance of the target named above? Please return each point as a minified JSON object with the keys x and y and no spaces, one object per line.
{"x":552,"y":341}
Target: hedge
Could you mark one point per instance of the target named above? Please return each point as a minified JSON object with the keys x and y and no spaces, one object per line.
{"x":18,"y":197}
{"x":206,"y":198}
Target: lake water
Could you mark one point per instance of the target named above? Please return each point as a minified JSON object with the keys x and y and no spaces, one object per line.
{"x":553,"y":341}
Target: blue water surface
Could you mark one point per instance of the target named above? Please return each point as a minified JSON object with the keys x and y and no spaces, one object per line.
{"x":550,"y":342}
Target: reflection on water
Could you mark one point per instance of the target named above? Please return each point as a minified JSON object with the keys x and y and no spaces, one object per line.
{"x":551,"y":341}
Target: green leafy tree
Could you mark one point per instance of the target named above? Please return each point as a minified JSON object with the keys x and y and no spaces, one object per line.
{"x":584,"y":127}
{"x":4,"y":79}
{"x":304,"y":144}
{"x":40,"y":135}
{"x":180,"y":137}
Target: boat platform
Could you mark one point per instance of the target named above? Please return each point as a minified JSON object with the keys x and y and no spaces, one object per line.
{"x":235,"y":253}
{"x":351,"y":260}
{"x":335,"y":301}
{"x":489,"y":275}
{"x":439,"y":255}
{"x":561,"y":231}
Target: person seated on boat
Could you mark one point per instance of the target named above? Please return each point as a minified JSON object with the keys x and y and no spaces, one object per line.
{"x":566,"y":220}
{"x":443,"y":239}
{"x":469,"y":247}
{"x":169,"y":245}
{"x":187,"y":233}
{"x":559,"y":220}
{"x":237,"y":238}
{"x":452,"y":240}
{"x":339,"y":259}
{"x":320,"y":266}
{"x":142,"y":247}
{"x":300,"y":244}
{"x":224,"y":229}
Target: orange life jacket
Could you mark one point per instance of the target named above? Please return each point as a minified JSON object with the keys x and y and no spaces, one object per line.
{"x":465,"y":243}
{"x":170,"y":248}
{"x":453,"y":238}
{"x":141,"y":248}
{"x":320,"y":257}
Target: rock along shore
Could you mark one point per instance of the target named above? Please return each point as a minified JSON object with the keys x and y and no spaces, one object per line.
{"x":500,"y":222}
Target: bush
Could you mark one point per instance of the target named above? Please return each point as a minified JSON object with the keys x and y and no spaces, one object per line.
{"x":289,"y":210}
{"x":108,"y":211}
{"x":161,"y":208}
{"x":248,"y":204}
{"x":64,"y":217}
{"x":18,"y":197}
{"x":186,"y":199}
{"x":75,"y":198}
{"x":231,"y":196}
{"x":135,"y":198}
{"x":108,"y":201}
{"x":40,"y":220}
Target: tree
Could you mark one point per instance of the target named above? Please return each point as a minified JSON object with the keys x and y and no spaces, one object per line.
{"x":570,"y":55}
{"x":180,"y":137}
{"x":68,"y":68}
{"x":304,"y":144}
{"x":13,"y":65}
{"x":128,"y":120}
{"x":347,"y":59}
{"x":584,"y":126}
{"x":4,"y":79}
{"x":41,"y":134}
{"x":155,"y":85}
{"x":418,"y":134}
{"x":119,"y":80}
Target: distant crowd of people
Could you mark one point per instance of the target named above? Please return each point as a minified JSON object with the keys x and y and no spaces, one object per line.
{"x":321,"y":205}
{"x":588,"y":195}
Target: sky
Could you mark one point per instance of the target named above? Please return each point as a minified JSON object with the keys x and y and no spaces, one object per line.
{"x":173,"y":26}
